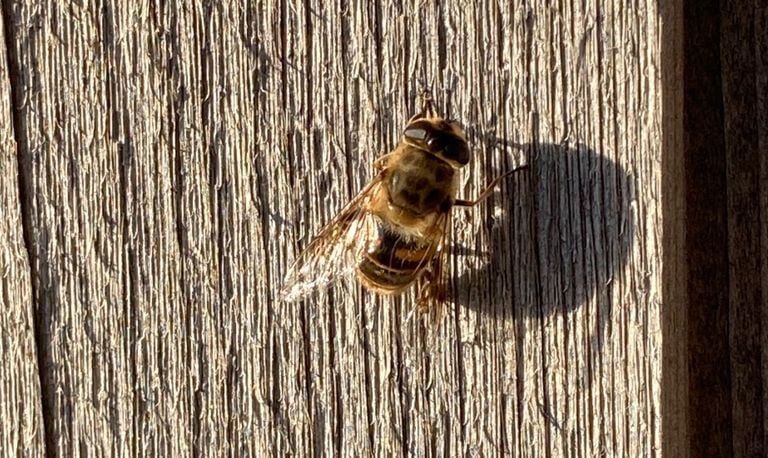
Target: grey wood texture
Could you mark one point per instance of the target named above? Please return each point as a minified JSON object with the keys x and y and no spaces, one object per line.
{"x":180,"y":154}
{"x":21,"y":427}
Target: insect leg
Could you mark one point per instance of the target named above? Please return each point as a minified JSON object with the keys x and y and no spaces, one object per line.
{"x":488,"y":190}
{"x":379,"y":163}
{"x":430,"y":290}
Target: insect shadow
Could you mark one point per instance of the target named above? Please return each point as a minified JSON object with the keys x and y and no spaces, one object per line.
{"x":565,"y":232}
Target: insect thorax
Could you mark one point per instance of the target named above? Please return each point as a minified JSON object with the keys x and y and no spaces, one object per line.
{"x":421,"y":183}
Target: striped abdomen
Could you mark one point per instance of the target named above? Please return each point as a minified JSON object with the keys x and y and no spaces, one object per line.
{"x":394,"y":263}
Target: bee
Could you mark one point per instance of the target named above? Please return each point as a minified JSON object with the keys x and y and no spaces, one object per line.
{"x":394,"y":233}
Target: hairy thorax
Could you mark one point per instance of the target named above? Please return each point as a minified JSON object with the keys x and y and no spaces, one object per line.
{"x":418,"y":188}
{"x":420,"y":183}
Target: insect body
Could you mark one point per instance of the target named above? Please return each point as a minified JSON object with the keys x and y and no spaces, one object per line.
{"x":394,"y":232}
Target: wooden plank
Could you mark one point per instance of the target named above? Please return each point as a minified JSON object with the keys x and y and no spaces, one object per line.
{"x":761,"y":121}
{"x":706,"y":248}
{"x":674,"y":314}
{"x":188,"y":152}
{"x":21,"y":431}
{"x":741,"y":73}
{"x":715,"y":231}
{"x":75,"y":225}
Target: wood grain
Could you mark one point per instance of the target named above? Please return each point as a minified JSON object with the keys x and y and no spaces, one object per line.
{"x":674,"y":316}
{"x":181,"y":154}
{"x":715,"y":253}
{"x":20,"y":407}
{"x":706,"y":238}
{"x":745,"y":126}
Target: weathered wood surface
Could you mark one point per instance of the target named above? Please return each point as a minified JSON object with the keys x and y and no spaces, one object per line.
{"x":715,"y":230}
{"x":181,"y":153}
{"x":21,"y":427}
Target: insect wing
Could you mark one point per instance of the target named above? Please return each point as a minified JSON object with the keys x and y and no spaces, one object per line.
{"x":335,"y":251}
{"x":434,"y":280}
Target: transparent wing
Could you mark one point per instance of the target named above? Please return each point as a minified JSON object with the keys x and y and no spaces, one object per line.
{"x":434,"y":280}
{"x":335,"y":251}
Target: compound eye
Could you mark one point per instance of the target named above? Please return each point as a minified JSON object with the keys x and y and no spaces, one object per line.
{"x":416,"y":133}
{"x":458,"y":152}
{"x":456,"y":127}
{"x":452,"y":147}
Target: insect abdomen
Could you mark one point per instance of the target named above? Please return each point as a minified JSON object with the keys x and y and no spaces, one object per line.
{"x":394,"y":263}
